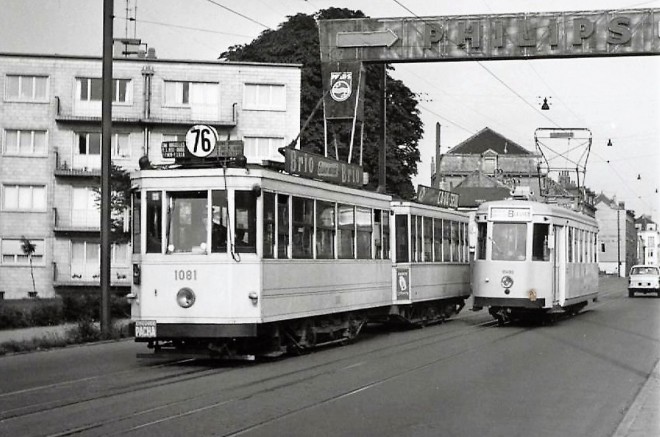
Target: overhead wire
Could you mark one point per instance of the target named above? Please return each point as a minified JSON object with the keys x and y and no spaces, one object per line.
{"x":503,"y":83}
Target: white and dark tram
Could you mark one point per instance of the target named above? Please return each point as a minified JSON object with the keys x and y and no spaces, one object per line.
{"x":533,"y":259}
{"x":245,"y":261}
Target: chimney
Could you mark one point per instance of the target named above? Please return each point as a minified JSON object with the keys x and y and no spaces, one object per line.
{"x":151,"y":53}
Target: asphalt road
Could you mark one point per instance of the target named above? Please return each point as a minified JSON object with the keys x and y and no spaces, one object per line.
{"x":467,"y":377}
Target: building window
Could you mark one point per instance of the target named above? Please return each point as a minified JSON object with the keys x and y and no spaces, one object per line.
{"x":90,"y":89}
{"x":121,"y":146}
{"x":202,"y":98}
{"x":26,"y":88}
{"x":25,"y":142}
{"x":263,"y":147}
{"x":269,"y":97}
{"x":24,"y":198}
{"x":85,"y":259}
{"x":177,"y":93}
{"x":12,"y":252}
{"x":84,"y":209}
{"x":89,"y":143}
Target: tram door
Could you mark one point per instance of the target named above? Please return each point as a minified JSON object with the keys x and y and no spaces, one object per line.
{"x":558,"y":264}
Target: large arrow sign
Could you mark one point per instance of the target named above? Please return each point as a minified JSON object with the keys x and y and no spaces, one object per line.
{"x":497,"y":36}
{"x":366,"y":39}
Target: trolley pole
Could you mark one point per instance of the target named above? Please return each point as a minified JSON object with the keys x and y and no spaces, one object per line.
{"x":382,"y":156}
{"x":106,"y":121}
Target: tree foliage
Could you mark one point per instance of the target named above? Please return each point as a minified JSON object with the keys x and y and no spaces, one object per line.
{"x":120,"y":201}
{"x":297,"y":41}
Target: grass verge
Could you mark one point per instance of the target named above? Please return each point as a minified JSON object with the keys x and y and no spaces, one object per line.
{"x":85,"y":331}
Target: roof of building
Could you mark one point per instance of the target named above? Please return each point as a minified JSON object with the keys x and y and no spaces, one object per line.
{"x":487,"y":139}
{"x":477,"y":188}
{"x":644,"y":220}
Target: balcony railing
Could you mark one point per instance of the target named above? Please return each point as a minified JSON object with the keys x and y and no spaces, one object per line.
{"x":81,"y":275}
{"x":78,"y":165}
{"x":76,"y":220}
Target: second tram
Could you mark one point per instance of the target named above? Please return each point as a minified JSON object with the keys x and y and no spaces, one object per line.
{"x":533,"y":258}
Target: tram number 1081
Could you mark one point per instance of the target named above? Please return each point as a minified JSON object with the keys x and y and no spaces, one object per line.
{"x":185,"y":275}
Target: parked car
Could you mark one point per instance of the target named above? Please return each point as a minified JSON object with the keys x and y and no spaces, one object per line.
{"x":644,"y":279}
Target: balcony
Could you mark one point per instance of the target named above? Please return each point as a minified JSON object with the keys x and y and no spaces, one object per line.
{"x":78,"y":166}
{"x":77,"y":222}
{"x":82,"y":275}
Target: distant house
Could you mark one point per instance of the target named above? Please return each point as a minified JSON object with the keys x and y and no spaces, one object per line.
{"x":490,"y":154}
{"x":648,"y":240}
{"x":617,"y":237}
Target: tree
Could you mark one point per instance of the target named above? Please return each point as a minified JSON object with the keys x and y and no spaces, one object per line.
{"x":120,"y":201}
{"x":296,"y":41}
{"x":28,"y":249}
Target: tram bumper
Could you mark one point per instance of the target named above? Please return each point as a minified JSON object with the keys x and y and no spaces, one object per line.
{"x":508,"y":302}
{"x":171,"y":331}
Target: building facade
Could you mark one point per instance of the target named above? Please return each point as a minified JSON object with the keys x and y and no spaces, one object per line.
{"x":648,"y":240}
{"x":617,"y":237}
{"x":50,"y":138}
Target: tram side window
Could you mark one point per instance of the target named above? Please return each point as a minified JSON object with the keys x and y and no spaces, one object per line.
{"x":540,"y":251}
{"x":428,"y":239}
{"x":454,"y":241}
{"x":481,"y":240}
{"x":570,"y":245}
{"x":303,"y":227}
{"x":386,"y":234}
{"x":245,"y":213}
{"x":364,"y":229}
{"x":446,"y":241}
{"x":437,"y":240}
{"x":135,"y":226}
{"x":219,"y":215}
{"x":466,"y":243}
{"x":283,"y":226}
{"x":325,"y":230}
{"x":269,"y":225}
{"x":346,"y":230}
{"x":187,"y":227}
{"x":401,"y":231}
{"x":379,"y":216}
{"x":509,"y":241}
{"x":154,"y":221}
{"x":416,"y":238}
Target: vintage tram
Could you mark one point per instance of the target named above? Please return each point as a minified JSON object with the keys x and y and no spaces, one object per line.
{"x":533,"y":259}
{"x":246,"y":260}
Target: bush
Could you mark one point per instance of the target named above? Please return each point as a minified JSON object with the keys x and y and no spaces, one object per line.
{"x":12,"y":318}
{"x":87,"y":305}
{"x":47,"y":314}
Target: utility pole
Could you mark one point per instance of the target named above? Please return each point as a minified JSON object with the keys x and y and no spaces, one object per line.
{"x":382,"y":156}
{"x":618,"y":242}
{"x":106,"y":121}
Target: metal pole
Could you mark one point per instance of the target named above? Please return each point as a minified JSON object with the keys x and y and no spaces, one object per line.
{"x":382,"y":157}
{"x":106,"y":120}
{"x":618,"y":243}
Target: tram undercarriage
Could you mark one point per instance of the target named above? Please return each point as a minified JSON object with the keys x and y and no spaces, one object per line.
{"x":505,"y":315}
{"x":302,"y":335}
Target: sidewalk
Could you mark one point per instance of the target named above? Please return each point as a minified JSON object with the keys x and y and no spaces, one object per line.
{"x":643,"y":417}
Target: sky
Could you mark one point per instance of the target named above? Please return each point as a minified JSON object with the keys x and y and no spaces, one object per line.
{"x":616,"y":98}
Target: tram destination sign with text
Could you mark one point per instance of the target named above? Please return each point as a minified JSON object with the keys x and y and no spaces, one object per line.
{"x":313,"y":166}
{"x":436,"y":197}
{"x":494,"y":36}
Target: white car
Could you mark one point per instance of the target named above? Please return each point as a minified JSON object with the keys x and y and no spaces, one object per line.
{"x":644,"y":279}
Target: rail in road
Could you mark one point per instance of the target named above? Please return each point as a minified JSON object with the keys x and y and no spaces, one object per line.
{"x":169,"y":398}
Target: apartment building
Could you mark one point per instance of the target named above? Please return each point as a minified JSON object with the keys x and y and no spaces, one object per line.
{"x":50,"y":138}
{"x":617,"y":236}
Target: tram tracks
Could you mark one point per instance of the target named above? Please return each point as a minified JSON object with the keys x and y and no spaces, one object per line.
{"x":204,"y":401}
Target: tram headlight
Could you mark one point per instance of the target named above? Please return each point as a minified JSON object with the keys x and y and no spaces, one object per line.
{"x":185,"y":297}
{"x":506,"y":281}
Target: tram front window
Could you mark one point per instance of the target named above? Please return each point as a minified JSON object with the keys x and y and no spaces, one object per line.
{"x":509,"y":241}
{"x":187,"y":230}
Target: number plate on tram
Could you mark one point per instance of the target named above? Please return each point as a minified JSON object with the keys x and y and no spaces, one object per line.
{"x":145,"y":329}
